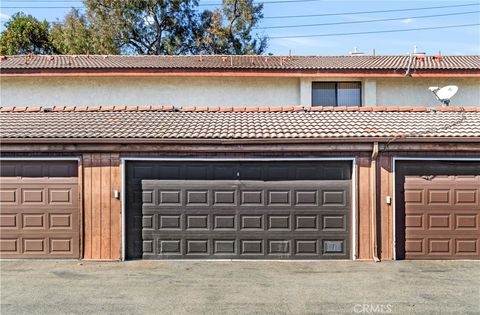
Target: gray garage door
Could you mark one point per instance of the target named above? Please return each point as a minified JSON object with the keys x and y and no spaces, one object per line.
{"x":275,"y":210}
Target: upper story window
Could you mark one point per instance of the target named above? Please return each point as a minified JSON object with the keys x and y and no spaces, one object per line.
{"x":336,"y":94}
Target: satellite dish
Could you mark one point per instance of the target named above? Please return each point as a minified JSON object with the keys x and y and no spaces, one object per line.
{"x":445,"y":93}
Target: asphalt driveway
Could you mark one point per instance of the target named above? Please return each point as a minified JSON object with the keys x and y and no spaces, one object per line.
{"x":240,"y":287}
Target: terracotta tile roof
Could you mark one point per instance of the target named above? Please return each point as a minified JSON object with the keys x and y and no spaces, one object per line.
{"x":44,"y":109}
{"x":169,"y":108}
{"x":209,"y":62}
{"x":166,"y":123}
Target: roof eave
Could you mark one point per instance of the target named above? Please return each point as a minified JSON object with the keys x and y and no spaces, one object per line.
{"x":236,"y":141}
{"x":215,"y":72}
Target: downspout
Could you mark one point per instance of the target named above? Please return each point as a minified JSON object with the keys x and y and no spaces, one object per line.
{"x":373,"y":194}
{"x":409,"y":68}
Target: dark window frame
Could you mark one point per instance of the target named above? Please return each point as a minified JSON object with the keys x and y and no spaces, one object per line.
{"x":336,"y":91}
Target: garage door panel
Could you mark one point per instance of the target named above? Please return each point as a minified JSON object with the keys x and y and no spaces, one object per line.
{"x":441,"y":233}
{"x":415,"y":246}
{"x":39,"y":210}
{"x":22,"y":245}
{"x":39,"y":223}
{"x":250,"y":247}
{"x":21,"y":195}
{"x":466,"y":222}
{"x":9,"y":221}
{"x":468,"y":197}
{"x":227,"y":194}
{"x":9,"y":196}
{"x":244,"y":220}
{"x":467,"y":246}
{"x":239,"y":210}
{"x":449,"y":209}
{"x":458,"y":197}
{"x":10,"y":246}
{"x":441,"y":210}
{"x":439,"y":247}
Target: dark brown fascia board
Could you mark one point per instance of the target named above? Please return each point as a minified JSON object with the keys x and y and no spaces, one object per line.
{"x":192,"y":148}
{"x":235,"y":141}
{"x":331,"y":148}
{"x":220,"y":72}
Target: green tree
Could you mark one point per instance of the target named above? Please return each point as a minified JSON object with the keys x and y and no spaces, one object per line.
{"x":153,"y":27}
{"x":229,"y":30}
{"x":145,"y":27}
{"x":172,"y":27}
{"x":24,"y":34}
{"x":76,"y":35}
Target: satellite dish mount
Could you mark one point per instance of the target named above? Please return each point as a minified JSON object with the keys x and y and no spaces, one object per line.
{"x":445,"y":93}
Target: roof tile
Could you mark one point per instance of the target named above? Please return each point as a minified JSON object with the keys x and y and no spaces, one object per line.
{"x":119,"y":108}
{"x":365,"y":109}
{"x":19,"y":109}
{"x":168,"y":108}
{"x":246,"y":123}
{"x":263,"y":109}
{"x":419,"y":109}
{"x":188,"y":109}
{"x":298,"y":108}
{"x":33,"y":109}
{"x":108,"y":108}
{"x":209,"y":62}
{"x":58,"y":108}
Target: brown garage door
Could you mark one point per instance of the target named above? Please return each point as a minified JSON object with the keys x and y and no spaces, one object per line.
{"x":39,"y":212}
{"x":275,"y":210}
{"x":438,"y":210}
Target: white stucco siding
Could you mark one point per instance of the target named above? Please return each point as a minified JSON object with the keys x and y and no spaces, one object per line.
{"x":177,"y":91}
{"x":220,"y":91}
{"x":414,"y":91}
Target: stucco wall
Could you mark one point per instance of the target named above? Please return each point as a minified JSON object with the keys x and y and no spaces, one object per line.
{"x":217,"y":91}
{"x":186,"y":91}
{"x":414,"y":91}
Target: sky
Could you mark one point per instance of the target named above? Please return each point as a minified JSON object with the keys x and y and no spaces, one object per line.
{"x":450,"y":41}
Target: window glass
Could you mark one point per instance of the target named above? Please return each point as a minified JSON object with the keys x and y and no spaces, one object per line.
{"x":336,"y":94}
{"x":348,"y":94}
{"x":324,"y":94}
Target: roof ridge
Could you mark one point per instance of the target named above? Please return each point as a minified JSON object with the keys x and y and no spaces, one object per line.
{"x":223,"y":55}
{"x":466,"y":65}
{"x":203,"y":109}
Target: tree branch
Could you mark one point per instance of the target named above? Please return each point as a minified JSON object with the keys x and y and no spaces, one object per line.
{"x":235,"y":16}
